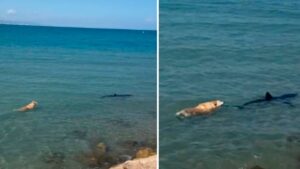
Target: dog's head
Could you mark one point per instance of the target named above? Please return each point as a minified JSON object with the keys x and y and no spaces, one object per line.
{"x":218,"y":103}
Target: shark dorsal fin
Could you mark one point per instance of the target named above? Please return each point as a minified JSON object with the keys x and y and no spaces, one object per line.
{"x":268,"y":96}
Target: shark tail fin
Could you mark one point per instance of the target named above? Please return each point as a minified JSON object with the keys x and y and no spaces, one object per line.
{"x":268,"y":96}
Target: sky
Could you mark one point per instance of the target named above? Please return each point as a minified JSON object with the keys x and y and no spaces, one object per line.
{"x":120,"y":14}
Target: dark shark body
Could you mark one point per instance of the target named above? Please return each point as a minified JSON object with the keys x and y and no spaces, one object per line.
{"x":117,"y":95}
{"x":268,"y":98}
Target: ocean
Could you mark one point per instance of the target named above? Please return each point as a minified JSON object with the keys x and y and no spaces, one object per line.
{"x":234,"y":51}
{"x":67,"y":71}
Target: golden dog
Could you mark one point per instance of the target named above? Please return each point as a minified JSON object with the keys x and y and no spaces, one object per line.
{"x":32,"y":105}
{"x":201,"y":109}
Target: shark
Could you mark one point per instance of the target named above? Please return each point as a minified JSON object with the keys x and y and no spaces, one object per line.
{"x":285,"y":98}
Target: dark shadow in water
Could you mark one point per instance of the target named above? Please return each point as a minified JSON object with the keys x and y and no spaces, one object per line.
{"x":115,"y":95}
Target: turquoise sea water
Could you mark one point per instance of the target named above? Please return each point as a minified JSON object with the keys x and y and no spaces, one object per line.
{"x":67,"y":70}
{"x":234,"y":51}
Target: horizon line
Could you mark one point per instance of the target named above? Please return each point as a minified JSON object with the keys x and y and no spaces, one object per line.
{"x":74,"y":27}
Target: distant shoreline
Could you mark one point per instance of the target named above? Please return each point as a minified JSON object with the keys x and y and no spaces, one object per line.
{"x":74,"y":27}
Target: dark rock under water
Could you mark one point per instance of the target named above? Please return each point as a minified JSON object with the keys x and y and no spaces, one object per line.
{"x":293,"y":138}
{"x":79,"y":134}
{"x":106,"y":160}
{"x":256,"y":167}
{"x":55,"y":157}
{"x":134,"y":145}
{"x":121,"y":122}
{"x":100,"y":156}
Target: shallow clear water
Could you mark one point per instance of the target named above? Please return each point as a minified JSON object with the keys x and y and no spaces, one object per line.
{"x":234,"y":51}
{"x":67,"y":70}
